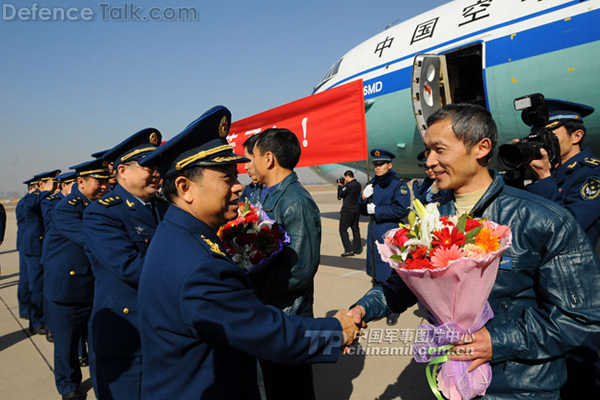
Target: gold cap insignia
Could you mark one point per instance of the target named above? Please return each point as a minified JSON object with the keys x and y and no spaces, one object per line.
{"x":223,"y":127}
{"x":552,"y":124}
{"x":377,"y":153}
{"x":153,"y":138}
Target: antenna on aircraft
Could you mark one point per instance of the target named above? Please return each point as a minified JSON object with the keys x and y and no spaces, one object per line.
{"x":392,"y":24}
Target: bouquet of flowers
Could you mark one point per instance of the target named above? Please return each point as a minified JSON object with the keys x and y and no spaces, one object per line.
{"x":450,"y":264}
{"x":252,"y":240}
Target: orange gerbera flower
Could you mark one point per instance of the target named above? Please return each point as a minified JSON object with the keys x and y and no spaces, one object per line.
{"x":487,"y":241}
{"x":444,"y":256}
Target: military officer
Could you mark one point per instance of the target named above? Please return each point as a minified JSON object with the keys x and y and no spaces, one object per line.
{"x":69,"y":284}
{"x":386,"y":200}
{"x":111,"y":168}
{"x":201,"y":325}
{"x":65,"y":181}
{"x":118,"y":229}
{"x":32,"y":247}
{"x":23,"y":291}
{"x":2,"y":223}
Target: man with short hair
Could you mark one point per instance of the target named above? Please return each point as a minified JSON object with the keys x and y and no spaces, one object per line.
{"x":32,"y":247}
{"x":288,"y":283}
{"x":118,"y":229}
{"x":546,"y":297}
{"x":201,"y":326}
{"x":69,"y":281}
{"x":349,"y":192}
{"x":253,"y":189}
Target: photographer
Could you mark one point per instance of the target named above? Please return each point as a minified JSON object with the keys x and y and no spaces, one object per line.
{"x":349,"y":190}
{"x":575,"y":184}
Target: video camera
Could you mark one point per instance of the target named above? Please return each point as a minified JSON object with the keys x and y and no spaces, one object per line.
{"x":341,"y":181}
{"x":535,"y":114}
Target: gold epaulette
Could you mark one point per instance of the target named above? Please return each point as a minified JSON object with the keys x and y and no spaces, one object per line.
{"x":214,"y":247}
{"x":591,"y":162}
{"x":110,"y":201}
{"x":74,"y":201}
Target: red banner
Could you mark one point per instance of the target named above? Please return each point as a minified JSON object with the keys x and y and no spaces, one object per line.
{"x":329,"y":125}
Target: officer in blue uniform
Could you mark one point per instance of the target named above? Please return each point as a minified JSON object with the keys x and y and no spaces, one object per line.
{"x":65,"y":181}
{"x":23,"y":291}
{"x":118,"y":229}
{"x":386,"y":200}
{"x":575,"y":185}
{"x":201,"y":326}
{"x":2,"y":223}
{"x":31,"y":246}
{"x":69,"y":284}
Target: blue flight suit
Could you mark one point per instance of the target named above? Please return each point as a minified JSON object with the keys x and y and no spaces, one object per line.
{"x":118,"y":229}
{"x":23,"y":291}
{"x":392,"y":199}
{"x":202,"y":327}
{"x":31,"y":245}
{"x":575,"y":185}
{"x":47,"y":206}
{"x":69,"y":287}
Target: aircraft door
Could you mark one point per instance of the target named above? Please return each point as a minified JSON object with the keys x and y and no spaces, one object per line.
{"x":428,"y":89}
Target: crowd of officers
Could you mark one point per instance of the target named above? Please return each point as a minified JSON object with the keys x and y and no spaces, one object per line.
{"x":192,"y":323}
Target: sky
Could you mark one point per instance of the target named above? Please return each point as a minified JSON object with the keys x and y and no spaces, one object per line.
{"x":72,"y":87}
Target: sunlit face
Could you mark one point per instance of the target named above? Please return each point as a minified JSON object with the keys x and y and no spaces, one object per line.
{"x":92,"y":188}
{"x":142,"y":182}
{"x":216,"y":195}
{"x":381,"y":167}
{"x":260,"y":163}
{"x":249,"y":166}
{"x":567,"y":148}
{"x":452,"y":166}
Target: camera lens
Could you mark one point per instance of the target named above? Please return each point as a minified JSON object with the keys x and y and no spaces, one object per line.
{"x":515,"y":155}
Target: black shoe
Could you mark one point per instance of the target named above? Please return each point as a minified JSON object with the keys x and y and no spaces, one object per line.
{"x":84,"y":361}
{"x":357,"y":252}
{"x":348,"y":254}
{"x":24,"y":316}
{"x":392,"y":319}
{"x":38,"y":331}
{"x":50,"y":336}
{"x":73,"y":396}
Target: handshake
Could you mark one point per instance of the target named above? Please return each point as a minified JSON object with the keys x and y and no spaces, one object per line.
{"x":352,"y":323}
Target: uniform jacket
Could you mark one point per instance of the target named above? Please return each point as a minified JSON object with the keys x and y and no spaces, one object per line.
{"x":288,"y":282}
{"x":350,"y":193}
{"x":201,"y":326}
{"x":47,"y":206}
{"x":33,"y":227}
{"x":117,"y":230}
{"x":576,"y":186}
{"x":68,"y":274}
{"x":546,"y":298}
{"x":20,"y":215}
{"x":391,"y":198}
{"x":2,"y":222}
{"x":251,"y":193}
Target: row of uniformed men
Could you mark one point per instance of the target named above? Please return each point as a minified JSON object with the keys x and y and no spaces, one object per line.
{"x":92,"y":252}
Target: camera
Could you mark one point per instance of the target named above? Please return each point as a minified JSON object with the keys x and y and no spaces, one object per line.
{"x":535,"y":114}
{"x":341,"y":181}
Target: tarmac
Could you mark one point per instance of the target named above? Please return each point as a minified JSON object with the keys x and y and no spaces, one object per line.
{"x":380,"y":366}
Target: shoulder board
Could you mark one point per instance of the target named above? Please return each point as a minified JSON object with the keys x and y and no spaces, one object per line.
{"x":213,"y":247}
{"x":591,"y":162}
{"x":51,"y":197}
{"x":74,"y":201}
{"x":110,"y":201}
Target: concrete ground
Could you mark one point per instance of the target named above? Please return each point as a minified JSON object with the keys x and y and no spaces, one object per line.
{"x":379,"y":369}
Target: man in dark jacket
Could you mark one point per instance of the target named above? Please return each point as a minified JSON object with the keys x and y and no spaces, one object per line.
{"x":349,"y":191}
{"x":288,"y":283}
{"x":2,"y":223}
{"x":69,"y":281}
{"x":546,"y":297}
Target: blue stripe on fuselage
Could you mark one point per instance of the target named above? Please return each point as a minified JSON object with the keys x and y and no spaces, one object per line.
{"x":535,"y":41}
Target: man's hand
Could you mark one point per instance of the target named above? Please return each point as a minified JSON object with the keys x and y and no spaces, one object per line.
{"x":371,"y":208}
{"x":476,"y":347}
{"x":48,"y":186}
{"x":358,"y":313}
{"x":368,"y":192}
{"x":541,"y":167}
{"x":351,"y":330}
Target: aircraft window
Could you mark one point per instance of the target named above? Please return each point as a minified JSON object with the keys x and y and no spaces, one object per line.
{"x":330,"y":74}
